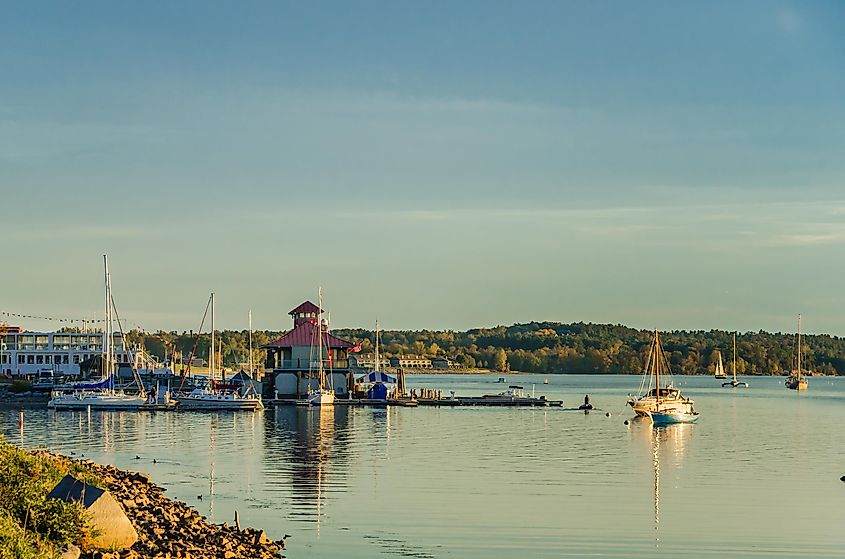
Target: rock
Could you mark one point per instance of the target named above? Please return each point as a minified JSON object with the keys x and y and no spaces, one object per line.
{"x":106,"y":517}
{"x":72,"y":552}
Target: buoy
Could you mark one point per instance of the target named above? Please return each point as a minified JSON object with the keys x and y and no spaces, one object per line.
{"x":20,"y":420}
{"x":842,"y":478}
{"x":607,"y":414}
{"x":626,"y":422}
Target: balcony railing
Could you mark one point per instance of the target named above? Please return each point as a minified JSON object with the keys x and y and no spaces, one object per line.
{"x":309,"y":364}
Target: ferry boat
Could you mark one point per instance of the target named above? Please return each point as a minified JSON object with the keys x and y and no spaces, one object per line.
{"x":657,"y":397}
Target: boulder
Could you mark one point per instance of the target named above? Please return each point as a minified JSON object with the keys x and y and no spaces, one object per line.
{"x":112,"y":528}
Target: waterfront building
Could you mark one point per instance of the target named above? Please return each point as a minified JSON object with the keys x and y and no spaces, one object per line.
{"x":291,"y":365}
{"x":443,"y":363}
{"x":367,"y":362}
{"x":411,"y":362}
{"x":25,"y":354}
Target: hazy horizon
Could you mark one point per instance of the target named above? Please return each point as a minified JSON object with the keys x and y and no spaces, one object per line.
{"x":436,"y":166}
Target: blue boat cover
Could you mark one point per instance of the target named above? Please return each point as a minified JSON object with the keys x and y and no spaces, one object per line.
{"x":105,"y":383}
{"x":378,"y":391}
{"x":377,"y":376}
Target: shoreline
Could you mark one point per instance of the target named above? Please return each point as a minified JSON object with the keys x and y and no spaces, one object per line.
{"x":168,"y":528}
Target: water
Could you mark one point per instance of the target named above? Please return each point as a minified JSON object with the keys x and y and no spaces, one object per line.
{"x":758,"y":475}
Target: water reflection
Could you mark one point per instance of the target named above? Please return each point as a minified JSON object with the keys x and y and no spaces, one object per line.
{"x":306,"y":453}
{"x":668,"y":443}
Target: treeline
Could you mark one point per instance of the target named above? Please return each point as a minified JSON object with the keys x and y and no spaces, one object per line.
{"x":551,"y":347}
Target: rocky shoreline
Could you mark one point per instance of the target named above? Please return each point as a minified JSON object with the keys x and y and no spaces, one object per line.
{"x":170,"y":529}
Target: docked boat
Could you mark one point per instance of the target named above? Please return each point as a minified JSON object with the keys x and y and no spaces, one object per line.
{"x":102,"y":394}
{"x":734,"y":383}
{"x":720,"y":368}
{"x":797,"y":380}
{"x":219,"y":397}
{"x":323,"y":394}
{"x":657,"y":397}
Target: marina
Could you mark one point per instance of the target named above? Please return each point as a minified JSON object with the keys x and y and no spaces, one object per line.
{"x":574,"y":484}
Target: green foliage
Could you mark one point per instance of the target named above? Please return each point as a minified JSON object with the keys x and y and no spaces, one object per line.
{"x":553,"y":347}
{"x":25,"y":481}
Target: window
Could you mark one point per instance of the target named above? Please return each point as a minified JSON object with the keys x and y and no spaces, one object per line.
{"x":30,"y":360}
{"x":64,"y":359}
{"x":3,"y":358}
{"x":76,"y":360}
{"x":47,"y":359}
{"x":21,"y":359}
{"x":39,"y":359}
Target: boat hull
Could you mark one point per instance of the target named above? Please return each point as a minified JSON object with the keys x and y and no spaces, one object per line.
{"x":193,"y":404}
{"x":96,"y":401}
{"x":735,"y":384}
{"x":321,"y":399}
{"x":670,"y":418}
{"x":797,"y":384}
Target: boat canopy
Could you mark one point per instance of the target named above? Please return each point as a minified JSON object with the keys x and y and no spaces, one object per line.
{"x":377,"y":376}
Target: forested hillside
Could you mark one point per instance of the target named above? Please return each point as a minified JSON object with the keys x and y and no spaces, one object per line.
{"x":550,"y":347}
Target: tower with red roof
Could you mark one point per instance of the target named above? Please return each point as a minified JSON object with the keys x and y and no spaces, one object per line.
{"x":292,"y":359}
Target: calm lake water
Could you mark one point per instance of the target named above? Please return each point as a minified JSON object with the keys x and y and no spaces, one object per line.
{"x":758,"y":475}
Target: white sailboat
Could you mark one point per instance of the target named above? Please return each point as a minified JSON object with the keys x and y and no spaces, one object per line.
{"x":734,"y":383}
{"x":659,"y":399}
{"x":104,"y":396}
{"x":323,"y":395}
{"x":797,"y":381}
{"x":720,"y":368}
{"x":210,"y":398}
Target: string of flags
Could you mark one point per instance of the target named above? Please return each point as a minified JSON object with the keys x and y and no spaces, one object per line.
{"x":51,"y":318}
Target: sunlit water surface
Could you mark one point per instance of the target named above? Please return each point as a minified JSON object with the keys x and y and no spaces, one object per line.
{"x":758,"y":475}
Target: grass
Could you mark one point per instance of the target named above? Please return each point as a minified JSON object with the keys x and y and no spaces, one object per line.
{"x":30,"y":524}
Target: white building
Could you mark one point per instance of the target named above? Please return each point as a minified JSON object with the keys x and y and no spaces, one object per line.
{"x":26,"y":354}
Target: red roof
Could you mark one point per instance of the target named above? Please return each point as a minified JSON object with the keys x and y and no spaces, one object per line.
{"x":306,"y":335}
{"x":306,"y":307}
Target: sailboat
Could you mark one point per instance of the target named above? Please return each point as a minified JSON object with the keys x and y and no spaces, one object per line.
{"x":720,"y":368}
{"x":210,"y":398}
{"x":323,"y":395}
{"x":797,"y":381}
{"x":734,"y":383}
{"x":662,"y":403}
{"x":101,"y":395}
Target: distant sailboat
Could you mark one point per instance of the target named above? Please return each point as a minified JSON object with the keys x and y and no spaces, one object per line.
{"x":797,"y":381}
{"x":720,"y":368}
{"x":734,"y":383}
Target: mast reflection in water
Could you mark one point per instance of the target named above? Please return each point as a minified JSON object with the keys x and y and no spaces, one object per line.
{"x":306,"y":455}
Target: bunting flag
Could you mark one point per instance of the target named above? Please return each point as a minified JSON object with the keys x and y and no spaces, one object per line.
{"x":52,"y":318}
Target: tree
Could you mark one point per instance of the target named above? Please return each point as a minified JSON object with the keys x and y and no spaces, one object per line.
{"x":500,"y":360}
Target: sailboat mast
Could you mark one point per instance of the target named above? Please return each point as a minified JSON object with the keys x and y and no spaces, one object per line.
{"x":250,"y":343}
{"x":377,"y":359}
{"x":320,"y":373}
{"x":733,"y":366}
{"x":799,"y":347}
{"x":657,"y":367}
{"x":211,"y":350}
{"x":106,"y":368}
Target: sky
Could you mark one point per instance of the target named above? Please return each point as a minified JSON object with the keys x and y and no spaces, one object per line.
{"x":442,"y":165}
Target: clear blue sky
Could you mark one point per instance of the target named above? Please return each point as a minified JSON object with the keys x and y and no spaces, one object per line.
{"x":434,"y":164}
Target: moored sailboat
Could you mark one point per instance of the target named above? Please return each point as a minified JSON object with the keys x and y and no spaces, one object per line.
{"x":720,"y":368}
{"x":101,"y":395}
{"x":211,"y":398}
{"x":323,"y":395}
{"x":797,"y":381}
{"x":658,"y":398}
{"x":734,"y":383}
